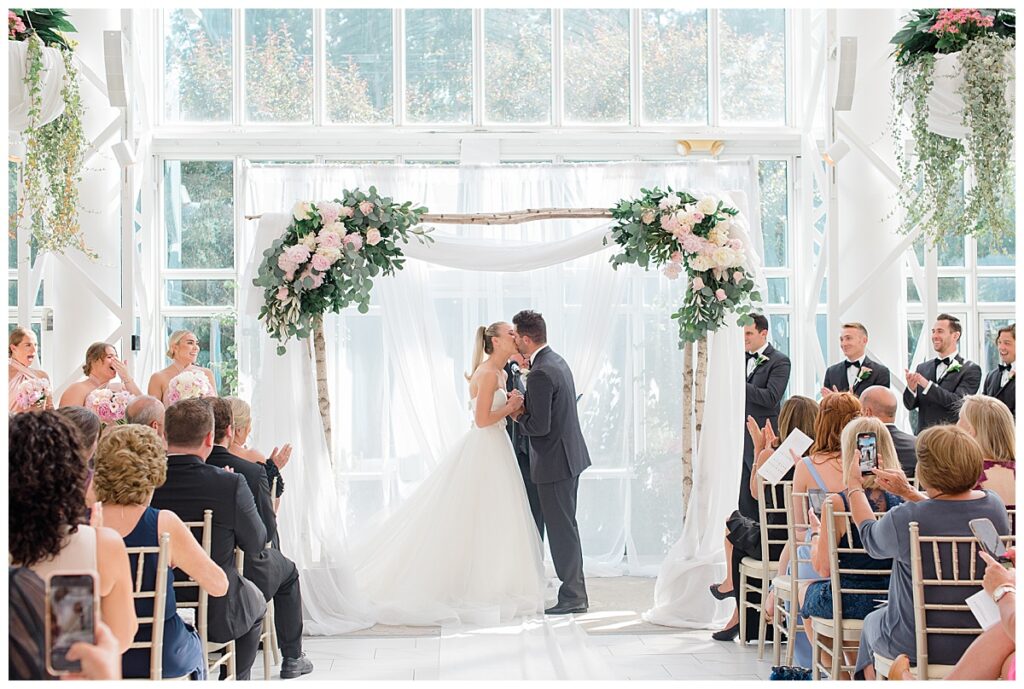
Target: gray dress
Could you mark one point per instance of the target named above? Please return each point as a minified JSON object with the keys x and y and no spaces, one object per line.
{"x":890,"y":629}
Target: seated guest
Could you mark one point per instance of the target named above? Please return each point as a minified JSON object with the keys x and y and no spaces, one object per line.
{"x":182,"y":350}
{"x":146,"y":410}
{"x":47,"y":493}
{"x":1002,"y":382}
{"x":742,"y":534}
{"x":242,"y":426}
{"x":937,"y":386}
{"x":816,"y":599}
{"x":880,"y":403}
{"x":21,"y":354}
{"x":192,"y":487}
{"x":274,"y":574}
{"x":101,"y":368}
{"x":948,"y":465}
{"x":130,"y":465}
{"x":89,"y":427}
{"x":990,"y":422}
{"x":857,"y":372}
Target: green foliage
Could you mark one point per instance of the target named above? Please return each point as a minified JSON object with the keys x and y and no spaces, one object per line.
{"x":279,"y":71}
{"x":49,"y":25}
{"x":916,"y":37}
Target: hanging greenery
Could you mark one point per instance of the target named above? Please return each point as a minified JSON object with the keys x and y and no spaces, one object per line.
{"x":933,"y":175}
{"x":55,"y":151}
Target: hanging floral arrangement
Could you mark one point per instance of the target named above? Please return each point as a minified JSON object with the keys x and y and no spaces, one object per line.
{"x":952,"y":92}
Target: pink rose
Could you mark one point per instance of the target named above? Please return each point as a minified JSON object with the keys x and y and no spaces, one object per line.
{"x":669,"y":223}
{"x":346,"y":212}
{"x":365,"y":207}
{"x":735,"y":244}
{"x":329,"y":211}
{"x":297,"y":254}
{"x":282,"y":293}
{"x":317,"y":278}
{"x":697,"y":216}
{"x":676,"y":257}
{"x":285,"y":264}
{"x":373,"y":236}
{"x":329,"y":238}
{"x":647,"y":217}
{"x":672,"y":271}
{"x":321,"y":263}
{"x":698,"y":284}
{"x":354,"y":241}
{"x":720,"y":295}
{"x":738,"y":276}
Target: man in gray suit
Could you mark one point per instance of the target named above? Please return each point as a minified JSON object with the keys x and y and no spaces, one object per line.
{"x":558,"y":455}
{"x":880,"y":402}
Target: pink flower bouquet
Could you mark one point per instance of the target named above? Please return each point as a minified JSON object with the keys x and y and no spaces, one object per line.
{"x":32,"y":392}
{"x":188,"y":385}
{"x":109,"y":405}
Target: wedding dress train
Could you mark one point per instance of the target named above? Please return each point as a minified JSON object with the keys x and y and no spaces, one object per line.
{"x":463,"y":548}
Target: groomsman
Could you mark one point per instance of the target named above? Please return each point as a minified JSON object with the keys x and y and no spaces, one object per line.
{"x":937,"y":386}
{"x":767,"y":372}
{"x":857,"y":372}
{"x":1002,"y":382}
{"x":516,"y":370}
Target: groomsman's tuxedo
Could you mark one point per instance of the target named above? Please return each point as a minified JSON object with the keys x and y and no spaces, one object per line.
{"x":839,"y":375}
{"x":1003,"y":386}
{"x":766,"y":384}
{"x":906,"y":449}
{"x":521,"y":444}
{"x":941,"y":404}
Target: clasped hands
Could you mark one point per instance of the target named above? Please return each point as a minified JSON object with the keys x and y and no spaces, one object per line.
{"x":915,"y":380}
{"x":515,"y":404}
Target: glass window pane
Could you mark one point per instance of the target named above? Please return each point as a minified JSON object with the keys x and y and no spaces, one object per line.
{"x":953,"y":289}
{"x":780,"y":332}
{"x":216,"y":335}
{"x":279,"y":65}
{"x":997,"y":289}
{"x":359,"y":66}
{"x":197,"y":65}
{"x":991,"y":357}
{"x":674,"y":45}
{"x":200,"y":292}
{"x":821,"y":326}
{"x":752,"y":55}
{"x":912,"y":294}
{"x":778,"y":291}
{"x":951,"y":252}
{"x":914,"y":328}
{"x":12,"y":292}
{"x":994,"y":253}
{"x":596,"y":66}
{"x":517,"y":66}
{"x":772,"y":178}
{"x":439,"y":66}
{"x":199,"y":213}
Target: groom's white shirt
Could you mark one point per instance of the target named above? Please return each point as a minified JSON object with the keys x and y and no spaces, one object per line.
{"x":534,"y":355}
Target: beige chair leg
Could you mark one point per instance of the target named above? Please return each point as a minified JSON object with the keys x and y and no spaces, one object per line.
{"x":742,"y":602}
{"x":777,"y":649}
{"x":762,"y":623}
{"x":815,"y":655}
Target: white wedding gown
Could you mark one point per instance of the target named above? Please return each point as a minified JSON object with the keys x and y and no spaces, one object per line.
{"x":463,"y":548}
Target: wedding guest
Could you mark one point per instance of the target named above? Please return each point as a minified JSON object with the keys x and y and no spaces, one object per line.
{"x":881,"y":403}
{"x":767,"y":374}
{"x":242,"y":427}
{"x":990,"y":422}
{"x":1002,"y":382}
{"x":130,"y":465}
{"x":274,"y":574}
{"x":21,"y":353}
{"x":88,"y":426}
{"x":101,"y":368}
{"x":516,"y":371}
{"x":47,"y":510}
{"x":937,"y":386}
{"x":857,"y":372}
{"x":948,"y":465}
{"x":191,"y":487}
{"x":182,"y":350}
{"x":146,"y":410}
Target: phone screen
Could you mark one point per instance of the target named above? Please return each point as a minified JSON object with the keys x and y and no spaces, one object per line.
{"x":816,"y":497}
{"x":867,"y":443}
{"x":988,"y":537}
{"x":71,"y":617}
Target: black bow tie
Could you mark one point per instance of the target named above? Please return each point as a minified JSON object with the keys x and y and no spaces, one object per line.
{"x":942,"y":361}
{"x":1005,"y":367}
{"x":852,"y":363}
{"x":751,"y":355}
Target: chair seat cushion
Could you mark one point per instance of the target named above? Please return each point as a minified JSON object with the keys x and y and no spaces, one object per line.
{"x":827,"y":626}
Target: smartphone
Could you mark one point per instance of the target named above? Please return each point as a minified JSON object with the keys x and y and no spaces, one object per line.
{"x":867,"y":443}
{"x":72,"y":599}
{"x":816,"y":497}
{"x":988,"y":537}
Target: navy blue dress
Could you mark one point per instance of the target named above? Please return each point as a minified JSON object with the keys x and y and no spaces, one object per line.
{"x":856,"y":606}
{"x":183,"y":654}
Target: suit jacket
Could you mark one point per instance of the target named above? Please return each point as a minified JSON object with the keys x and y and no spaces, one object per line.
{"x":906,"y":449}
{"x":193,"y":486}
{"x":942,"y":402}
{"x":766,"y":385}
{"x":557,"y":449}
{"x":1007,"y":394}
{"x":515,"y":381}
{"x":836,"y":376}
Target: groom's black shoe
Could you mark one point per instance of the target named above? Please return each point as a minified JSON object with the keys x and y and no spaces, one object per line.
{"x":566,"y":608}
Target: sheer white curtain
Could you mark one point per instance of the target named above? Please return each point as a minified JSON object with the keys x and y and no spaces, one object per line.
{"x":398,"y":390}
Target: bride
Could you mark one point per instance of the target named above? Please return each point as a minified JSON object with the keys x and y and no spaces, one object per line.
{"x":463,"y":548}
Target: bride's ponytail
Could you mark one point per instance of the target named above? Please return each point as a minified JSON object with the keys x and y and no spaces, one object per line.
{"x":478,"y":351}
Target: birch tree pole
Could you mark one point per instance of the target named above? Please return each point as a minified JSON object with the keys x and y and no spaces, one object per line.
{"x":688,"y":443}
{"x":323,"y":396}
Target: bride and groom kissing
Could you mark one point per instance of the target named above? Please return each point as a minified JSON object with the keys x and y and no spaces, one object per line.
{"x":464,"y":547}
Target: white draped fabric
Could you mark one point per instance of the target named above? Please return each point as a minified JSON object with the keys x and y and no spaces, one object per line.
{"x":399,"y":398}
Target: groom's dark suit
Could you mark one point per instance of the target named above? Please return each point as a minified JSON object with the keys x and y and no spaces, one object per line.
{"x":521,"y":444}
{"x":558,"y":455}
{"x":941,"y":404}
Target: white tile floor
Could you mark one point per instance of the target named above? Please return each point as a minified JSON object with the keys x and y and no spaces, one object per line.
{"x":673,"y":654}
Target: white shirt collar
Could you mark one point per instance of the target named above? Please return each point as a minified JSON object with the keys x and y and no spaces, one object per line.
{"x":763,"y":347}
{"x":860,"y":361}
{"x":534,"y":355}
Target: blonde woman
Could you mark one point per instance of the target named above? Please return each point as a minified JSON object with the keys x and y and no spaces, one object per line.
{"x":101,"y":368}
{"x":990,"y":422}
{"x":182,"y":350}
{"x":241,"y":425}
{"x":21,"y":353}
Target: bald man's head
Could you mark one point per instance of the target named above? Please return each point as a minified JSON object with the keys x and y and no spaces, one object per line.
{"x":146,"y":411}
{"x":880,"y":402}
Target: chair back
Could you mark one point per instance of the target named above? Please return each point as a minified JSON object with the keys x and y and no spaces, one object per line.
{"x":796,"y":530}
{"x":945,"y":571}
{"x":773,"y":517}
{"x":835,"y":518}
{"x":1011,"y":514}
{"x":157,"y":594}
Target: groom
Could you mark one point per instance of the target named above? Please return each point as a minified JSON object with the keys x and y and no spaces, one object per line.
{"x":558,"y":454}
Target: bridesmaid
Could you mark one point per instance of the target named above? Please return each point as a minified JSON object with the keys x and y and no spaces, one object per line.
{"x":182,"y":350}
{"x":101,"y":367}
{"x":21,"y":352}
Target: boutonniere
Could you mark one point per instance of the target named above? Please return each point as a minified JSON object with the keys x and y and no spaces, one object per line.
{"x":1013,"y":372}
{"x":954,"y":367}
{"x":761,"y":358}
{"x":864,"y":374}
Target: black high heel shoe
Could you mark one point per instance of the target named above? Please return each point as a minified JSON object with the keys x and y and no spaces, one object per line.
{"x":727,"y":634}
{"x":718,"y":594}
